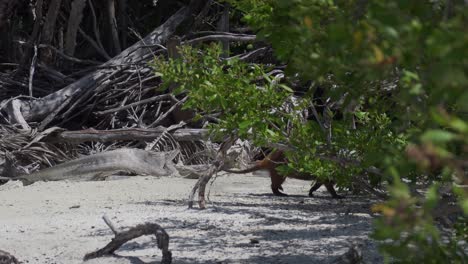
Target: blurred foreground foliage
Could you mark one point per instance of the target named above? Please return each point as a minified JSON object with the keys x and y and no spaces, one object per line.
{"x":397,"y":72}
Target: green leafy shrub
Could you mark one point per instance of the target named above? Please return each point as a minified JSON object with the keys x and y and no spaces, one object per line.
{"x":399,"y":66}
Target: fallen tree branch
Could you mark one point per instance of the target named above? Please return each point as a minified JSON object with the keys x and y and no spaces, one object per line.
{"x":60,"y":53}
{"x":110,"y":225}
{"x":173,"y":107}
{"x":232,"y":37}
{"x":13,"y":108}
{"x":105,"y":164}
{"x":121,"y":237}
{"x":166,"y":133}
{"x":80,"y":136}
{"x":144,"y":101}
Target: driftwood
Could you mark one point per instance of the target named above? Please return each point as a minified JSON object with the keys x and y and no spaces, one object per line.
{"x":101,"y":165}
{"x":122,"y":237}
{"x":104,"y":164}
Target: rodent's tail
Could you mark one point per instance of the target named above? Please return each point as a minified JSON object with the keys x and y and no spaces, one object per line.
{"x":252,"y":169}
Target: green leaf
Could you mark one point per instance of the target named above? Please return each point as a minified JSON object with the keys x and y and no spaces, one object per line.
{"x":286,"y":88}
{"x":158,"y":74}
{"x":432,"y":196}
{"x":271,"y":132}
{"x":464,"y":205}
{"x":459,"y":125}
{"x":208,"y":83}
{"x":244,"y":125}
{"x":438,"y":136}
{"x":399,"y":189}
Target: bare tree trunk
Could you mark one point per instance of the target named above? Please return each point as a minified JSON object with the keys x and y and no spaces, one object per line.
{"x":6,"y":6}
{"x":33,"y":37}
{"x":123,"y":22}
{"x":76,"y":14}
{"x":112,"y":24}
{"x":223,"y":26}
{"x":6,"y":47}
{"x":49,"y":28}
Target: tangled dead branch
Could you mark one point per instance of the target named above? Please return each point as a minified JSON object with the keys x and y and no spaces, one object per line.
{"x":214,"y":168}
{"x":27,"y":149}
{"x":122,"y":237}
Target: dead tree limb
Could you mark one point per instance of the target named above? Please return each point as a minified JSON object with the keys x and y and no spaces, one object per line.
{"x":39,"y":108}
{"x":32,"y":68}
{"x":110,"y":224}
{"x":166,"y":133}
{"x":96,"y":44}
{"x":121,"y":237}
{"x":216,"y":166}
{"x":168,"y":112}
{"x":222,"y":37}
{"x":13,"y":108}
{"x":60,"y":53}
{"x":104,"y":164}
{"x":80,"y":136}
{"x":143,"y":101}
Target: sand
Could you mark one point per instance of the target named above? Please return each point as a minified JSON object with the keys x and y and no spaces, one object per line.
{"x":59,"y":222}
